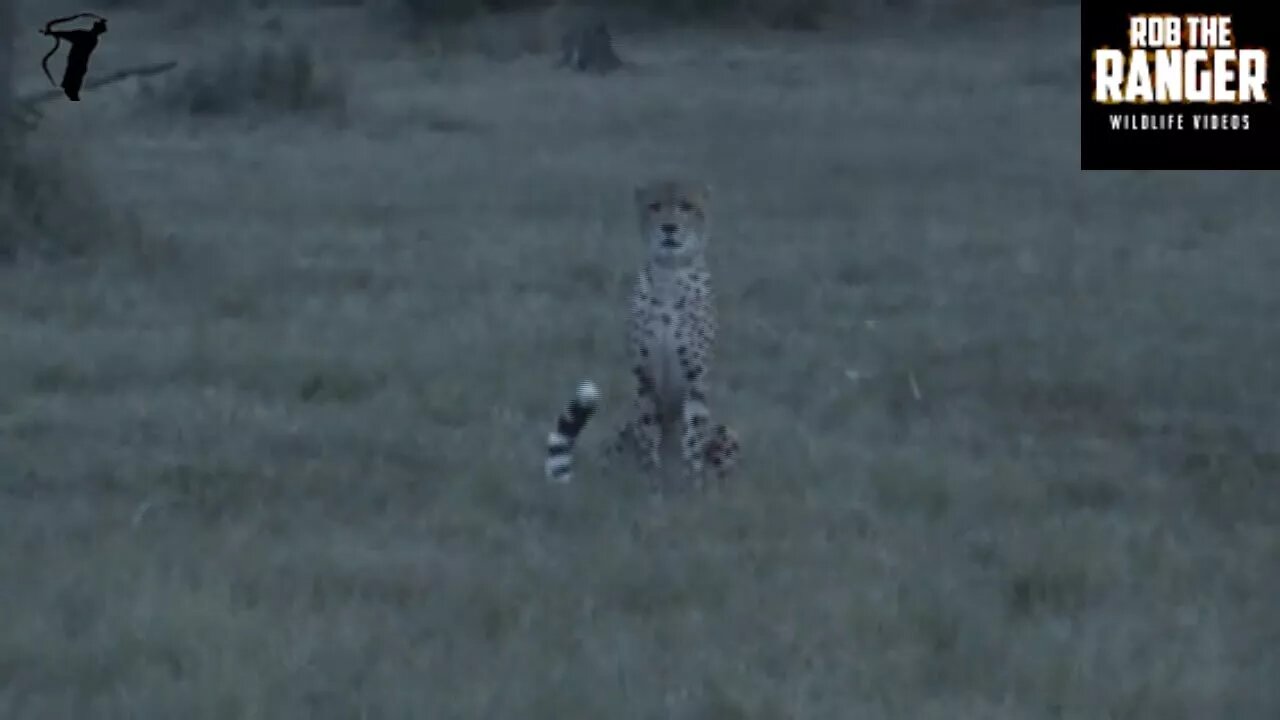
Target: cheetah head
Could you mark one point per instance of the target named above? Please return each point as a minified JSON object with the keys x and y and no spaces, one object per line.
{"x":673,"y":218}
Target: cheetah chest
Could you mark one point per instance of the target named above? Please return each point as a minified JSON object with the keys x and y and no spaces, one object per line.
{"x":672,"y":337}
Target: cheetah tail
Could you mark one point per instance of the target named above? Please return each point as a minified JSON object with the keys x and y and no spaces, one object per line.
{"x":559,"y":465}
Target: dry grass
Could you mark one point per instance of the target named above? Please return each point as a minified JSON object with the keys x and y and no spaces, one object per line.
{"x":1010,"y":429}
{"x":51,"y":211}
{"x":261,"y":77}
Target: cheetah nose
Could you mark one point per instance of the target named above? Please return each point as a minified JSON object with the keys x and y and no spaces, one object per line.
{"x":669,"y":228}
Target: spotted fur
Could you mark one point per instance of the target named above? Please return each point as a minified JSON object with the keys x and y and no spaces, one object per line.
{"x":671,"y":332}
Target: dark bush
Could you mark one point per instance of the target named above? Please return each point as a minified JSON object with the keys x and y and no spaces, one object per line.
{"x":263,"y":76}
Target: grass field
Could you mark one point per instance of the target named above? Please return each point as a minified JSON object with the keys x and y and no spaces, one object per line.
{"x":271,"y":446}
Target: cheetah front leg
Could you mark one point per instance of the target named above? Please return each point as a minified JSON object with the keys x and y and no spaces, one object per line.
{"x":641,"y":436}
{"x":696,"y":440}
{"x":703,"y":443}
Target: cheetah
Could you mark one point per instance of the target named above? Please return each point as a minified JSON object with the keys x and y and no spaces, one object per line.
{"x":670,"y":335}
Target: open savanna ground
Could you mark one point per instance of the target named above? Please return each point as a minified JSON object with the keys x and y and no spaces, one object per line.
{"x":274,"y":388}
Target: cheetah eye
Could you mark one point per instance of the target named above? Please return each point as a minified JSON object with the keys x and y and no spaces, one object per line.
{"x":686,"y":206}
{"x":655,"y":206}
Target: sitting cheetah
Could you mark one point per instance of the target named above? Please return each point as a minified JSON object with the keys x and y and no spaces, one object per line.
{"x":670,"y":335}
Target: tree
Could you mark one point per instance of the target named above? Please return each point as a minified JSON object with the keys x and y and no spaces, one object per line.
{"x":588,"y":47}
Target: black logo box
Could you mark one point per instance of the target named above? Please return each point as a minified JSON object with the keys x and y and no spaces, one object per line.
{"x":1105,"y":23}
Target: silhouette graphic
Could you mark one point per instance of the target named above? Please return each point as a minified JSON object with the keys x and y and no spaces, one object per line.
{"x":82,"y":42}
